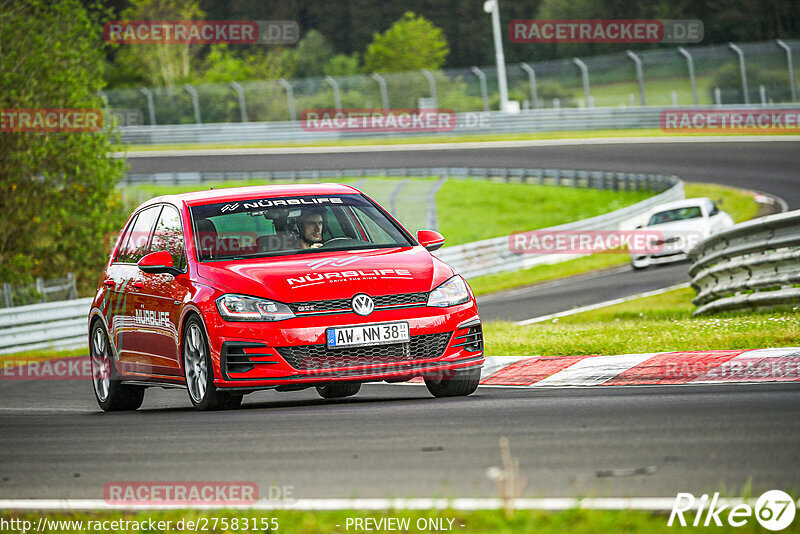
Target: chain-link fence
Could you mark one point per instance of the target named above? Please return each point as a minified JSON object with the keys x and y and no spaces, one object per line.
{"x":701,"y":75}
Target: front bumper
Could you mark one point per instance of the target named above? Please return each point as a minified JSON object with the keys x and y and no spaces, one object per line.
{"x":293,"y":352}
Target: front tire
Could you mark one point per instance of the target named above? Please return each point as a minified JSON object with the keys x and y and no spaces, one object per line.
{"x":111,"y":394}
{"x":338,"y":390}
{"x":199,"y":372}
{"x":460,"y":384}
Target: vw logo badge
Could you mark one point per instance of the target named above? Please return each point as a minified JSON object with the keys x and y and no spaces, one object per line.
{"x":363,"y":304}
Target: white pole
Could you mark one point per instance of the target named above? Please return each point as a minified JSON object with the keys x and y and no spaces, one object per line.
{"x":491,"y":6}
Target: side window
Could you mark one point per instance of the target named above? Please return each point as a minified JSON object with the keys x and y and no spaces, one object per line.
{"x":168,"y":235}
{"x":124,"y":241}
{"x":136,"y":243}
{"x":376,"y":233}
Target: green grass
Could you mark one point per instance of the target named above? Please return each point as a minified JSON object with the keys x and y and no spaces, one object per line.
{"x":658,"y":92}
{"x":738,"y":203}
{"x":43,"y":354}
{"x":660,"y":323}
{"x":470,"y":138}
{"x":474,"y":210}
{"x":573,"y":521}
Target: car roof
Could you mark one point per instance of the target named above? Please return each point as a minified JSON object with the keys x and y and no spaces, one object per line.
{"x":232,"y":194}
{"x":684,"y":203}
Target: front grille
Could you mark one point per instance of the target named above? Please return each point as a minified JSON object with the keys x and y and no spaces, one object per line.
{"x":306,"y":357}
{"x":345,"y":305}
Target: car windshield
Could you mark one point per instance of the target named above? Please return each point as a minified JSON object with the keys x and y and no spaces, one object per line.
{"x":678,"y":214}
{"x":291,"y":225}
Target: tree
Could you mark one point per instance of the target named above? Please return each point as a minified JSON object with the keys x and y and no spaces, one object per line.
{"x":412,"y":43}
{"x":56,"y":189}
{"x":161,"y":63}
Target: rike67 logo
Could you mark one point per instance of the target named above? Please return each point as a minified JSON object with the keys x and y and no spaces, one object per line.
{"x":774,"y":510}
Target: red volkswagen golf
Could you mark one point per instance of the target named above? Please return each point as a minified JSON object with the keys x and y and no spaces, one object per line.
{"x":230,"y":291}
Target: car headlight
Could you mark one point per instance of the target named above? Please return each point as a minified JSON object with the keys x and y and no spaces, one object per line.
{"x":243,"y":308}
{"x":450,"y":293}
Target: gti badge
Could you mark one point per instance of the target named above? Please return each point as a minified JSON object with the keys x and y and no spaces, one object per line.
{"x":363,"y":304}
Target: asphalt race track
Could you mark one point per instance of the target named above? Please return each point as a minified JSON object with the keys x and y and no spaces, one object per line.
{"x":768,"y":166}
{"x":397,"y":441}
{"x":772,"y":167}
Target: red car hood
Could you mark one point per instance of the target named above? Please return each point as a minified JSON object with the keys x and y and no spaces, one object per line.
{"x":332,"y":275}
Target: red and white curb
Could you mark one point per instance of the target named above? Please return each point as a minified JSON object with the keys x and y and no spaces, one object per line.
{"x":657,"y":368}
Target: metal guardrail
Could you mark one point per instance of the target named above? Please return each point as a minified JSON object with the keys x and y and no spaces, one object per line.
{"x":468,"y":123}
{"x":40,"y":290}
{"x":63,"y":324}
{"x":491,"y":256}
{"x":54,"y":325}
{"x":753,"y":265}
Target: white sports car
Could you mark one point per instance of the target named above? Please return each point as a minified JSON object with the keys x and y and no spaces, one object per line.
{"x":681,"y":224}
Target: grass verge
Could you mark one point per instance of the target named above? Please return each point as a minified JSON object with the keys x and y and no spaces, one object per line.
{"x":661,"y":323}
{"x":739,"y":203}
{"x":484,"y":522}
{"x":472,"y":138}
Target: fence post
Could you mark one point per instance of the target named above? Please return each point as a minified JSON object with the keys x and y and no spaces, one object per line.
{"x":690,"y":64}
{"x":242,"y":102}
{"x":742,"y":70}
{"x":8,"y":295}
{"x":384,"y":92}
{"x":432,"y":85}
{"x":150,"y":105}
{"x":40,"y":289}
{"x":195,"y":102}
{"x":73,"y":288}
{"x":639,"y":76}
{"x":337,"y":97}
{"x":532,"y":81}
{"x":484,"y":92}
{"x":289,"y":97}
{"x":792,"y":84}
{"x":585,"y":76}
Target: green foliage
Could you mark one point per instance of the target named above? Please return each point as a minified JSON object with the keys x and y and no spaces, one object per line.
{"x":223,"y":65}
{"x":311,"y":55}
{"x":55,"y":188}
{"x":412,"y":43}
{"x":729,"y":80}
{"x":160,"y":64}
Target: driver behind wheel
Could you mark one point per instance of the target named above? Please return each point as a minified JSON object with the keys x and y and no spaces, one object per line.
{"x":310,"y":226}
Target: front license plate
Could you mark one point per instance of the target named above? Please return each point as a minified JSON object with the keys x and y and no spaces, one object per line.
{"x":368,"y":334}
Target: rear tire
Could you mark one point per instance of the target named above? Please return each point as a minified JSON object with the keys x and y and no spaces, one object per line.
{"x":338,"y":390}
{"x":460,"y":384}
{"x":111,"y":394}
{"x":199,"y":372}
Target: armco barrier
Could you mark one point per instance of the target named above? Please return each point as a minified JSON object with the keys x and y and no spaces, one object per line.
{"x":486,"y":122}
{"x":54,"y":325}
{"x":753,"y":265}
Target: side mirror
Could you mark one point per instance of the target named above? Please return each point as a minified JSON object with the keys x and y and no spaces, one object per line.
{"x":158,"y":263}
{"x":430,"y":240}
